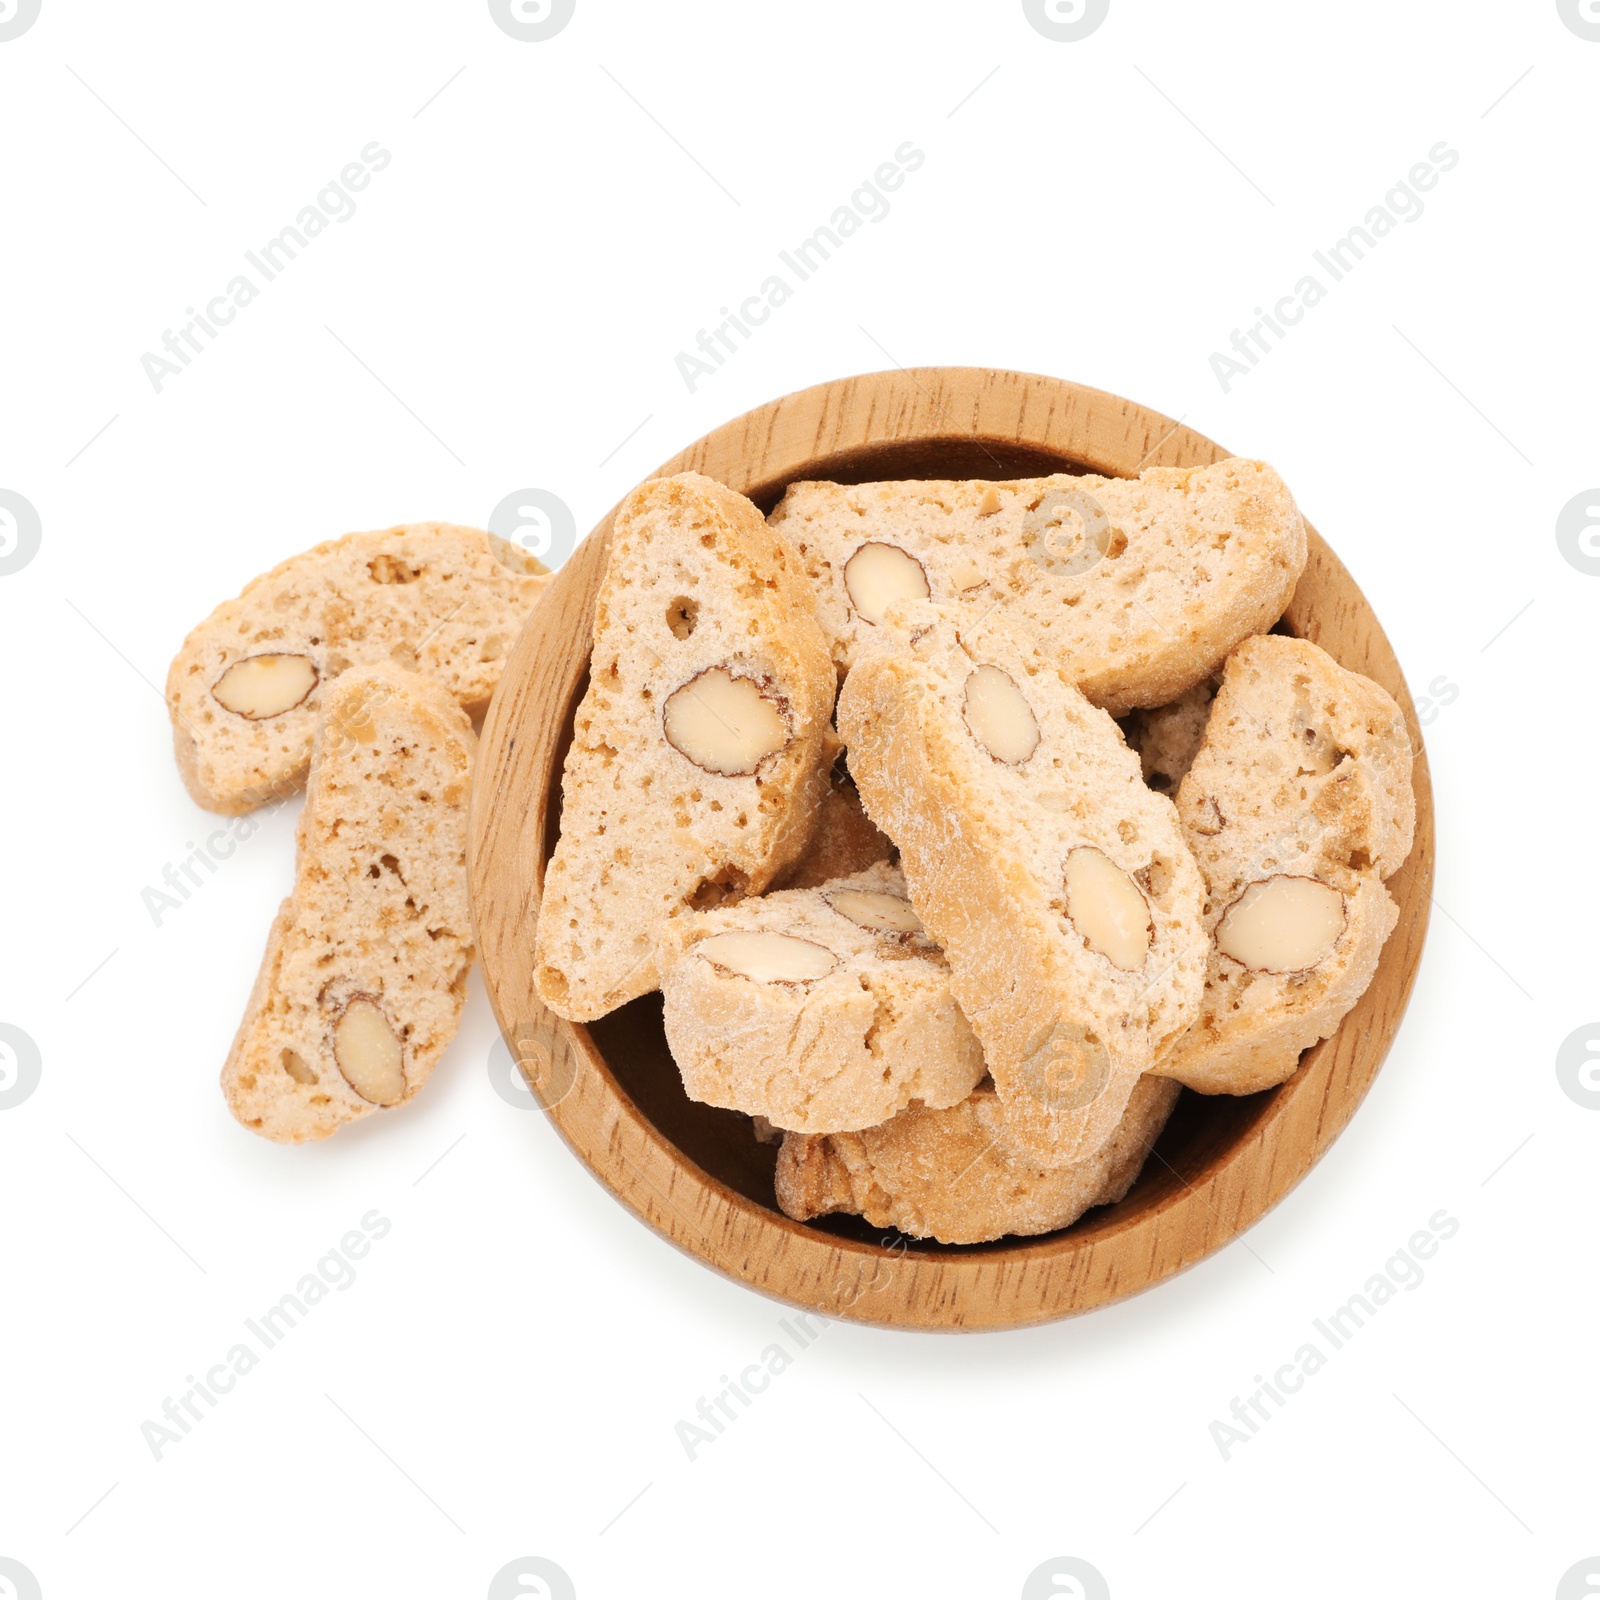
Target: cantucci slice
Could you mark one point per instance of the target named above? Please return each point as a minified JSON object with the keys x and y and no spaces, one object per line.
{"x":245,"y":691}
{"x":818,"y":1009}
{"x":701,"y":749}
{"x":959,"y":1176}
{"x":366,"y":967}
{"x":1057,"y":884}
{"x":1297,"y":807}
{"x":1137,"y":587}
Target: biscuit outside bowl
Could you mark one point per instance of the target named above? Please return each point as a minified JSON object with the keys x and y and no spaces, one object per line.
{"x":696,"y":1174}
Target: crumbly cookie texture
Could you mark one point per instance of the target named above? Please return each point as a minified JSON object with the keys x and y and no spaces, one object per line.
{"x":845,"y":839}
{"x":818,"y":1009}
{"x":1167,"y":738}
{"x":701,"y":749}
{"x":1058,"y":886}
{"x":246,"y":689}
{"x":366,"y":966}
{"x":1138,"y":587}
{"x":958,"y":1176}
{"x":1297,"y":807}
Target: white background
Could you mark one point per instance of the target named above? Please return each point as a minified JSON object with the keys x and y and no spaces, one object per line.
{"x":503,"y":311}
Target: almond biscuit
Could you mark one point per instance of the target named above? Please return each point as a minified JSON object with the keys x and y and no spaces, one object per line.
{"x":1137,"y":587}
{"x":701,"y":749}
{"x":817,"y":1009}
{"x":1056,"y":883}
{"x":1297,"y":807}
{"x":245,"y":690}
{"x":959,"y":1176}
{"x":366,"y":966}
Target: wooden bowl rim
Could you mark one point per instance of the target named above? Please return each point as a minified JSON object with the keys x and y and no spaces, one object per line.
{"x":1018,"y":1282}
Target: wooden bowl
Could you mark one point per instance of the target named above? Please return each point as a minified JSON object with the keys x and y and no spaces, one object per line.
{"x":693,"y":1172}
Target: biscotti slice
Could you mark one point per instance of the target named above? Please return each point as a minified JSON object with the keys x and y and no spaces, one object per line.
{"x":958,"y":1175}
{"x":245,"y":691}
{"x":1297,"y":806}
{"x":1138,"y":587}
{"x":701,"y":748}
{"x":818,"y":1009}
{"x":1058,"y":885}
{"x":844,"y":840}
{"x":366,"y":965}
{"x":1168,"y":737}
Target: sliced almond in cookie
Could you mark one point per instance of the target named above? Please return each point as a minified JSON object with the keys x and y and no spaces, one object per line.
{"x":1284,"y":924}
{"x":877,"y":575}
{"x":265,"y":686}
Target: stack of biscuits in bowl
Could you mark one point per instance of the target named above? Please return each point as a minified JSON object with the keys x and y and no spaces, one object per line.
{"x":847,"y":787}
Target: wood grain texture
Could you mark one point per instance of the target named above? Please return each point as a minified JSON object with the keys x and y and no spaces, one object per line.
{"x":694,"y":1173}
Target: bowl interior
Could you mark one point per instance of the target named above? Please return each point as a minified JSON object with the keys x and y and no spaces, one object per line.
{"x":1203,"y":1129}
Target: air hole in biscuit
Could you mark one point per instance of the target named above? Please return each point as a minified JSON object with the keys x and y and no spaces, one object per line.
{"x":683,"y":614}
{"x":391,"y":569}
{"x":295,"y":1065}
{"x":1208,"y":818}
{"x":729,"y":884}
